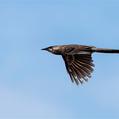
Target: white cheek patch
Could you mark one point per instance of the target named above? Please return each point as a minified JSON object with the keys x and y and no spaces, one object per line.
{"x":50,"y":50}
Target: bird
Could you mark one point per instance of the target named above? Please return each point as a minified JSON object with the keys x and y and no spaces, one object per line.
{"x":78,"y":59}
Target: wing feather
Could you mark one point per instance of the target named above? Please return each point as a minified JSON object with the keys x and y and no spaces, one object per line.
{"x":77,"y":74}
{"x":85,"y":69}
{"x":79,"y":67}
{"x":81,"y":72}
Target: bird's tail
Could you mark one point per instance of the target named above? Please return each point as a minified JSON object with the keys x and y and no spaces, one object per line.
{"x":105,"y":50}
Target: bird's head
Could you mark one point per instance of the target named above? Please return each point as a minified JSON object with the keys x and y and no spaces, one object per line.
{"x":53,"y":49}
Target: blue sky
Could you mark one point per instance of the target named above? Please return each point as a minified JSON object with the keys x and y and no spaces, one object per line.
{"x":34,"y":84}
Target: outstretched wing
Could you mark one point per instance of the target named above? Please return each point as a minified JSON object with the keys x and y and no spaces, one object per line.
{"x":79,"y":67}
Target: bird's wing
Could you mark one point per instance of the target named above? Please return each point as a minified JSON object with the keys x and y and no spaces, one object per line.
{"x":79,"y":67}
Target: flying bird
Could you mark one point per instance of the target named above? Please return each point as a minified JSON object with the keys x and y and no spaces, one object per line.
{"x":78,"y":59}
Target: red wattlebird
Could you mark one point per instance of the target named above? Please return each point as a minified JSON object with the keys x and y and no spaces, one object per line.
{"x":78,"y":59}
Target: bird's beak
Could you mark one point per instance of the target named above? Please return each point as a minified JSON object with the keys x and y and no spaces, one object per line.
{"x":45,"y":49}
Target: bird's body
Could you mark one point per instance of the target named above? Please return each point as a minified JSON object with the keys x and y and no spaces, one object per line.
{"x":78,"y":59}
{"x":72,"y":49}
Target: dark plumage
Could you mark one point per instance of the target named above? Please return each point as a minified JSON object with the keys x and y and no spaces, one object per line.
{"x":78,"y":60}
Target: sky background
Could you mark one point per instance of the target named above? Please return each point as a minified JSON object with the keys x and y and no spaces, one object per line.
{"x":34,"y":84}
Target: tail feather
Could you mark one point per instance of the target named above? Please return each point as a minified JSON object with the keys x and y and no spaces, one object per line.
{"x":105,"y":50}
